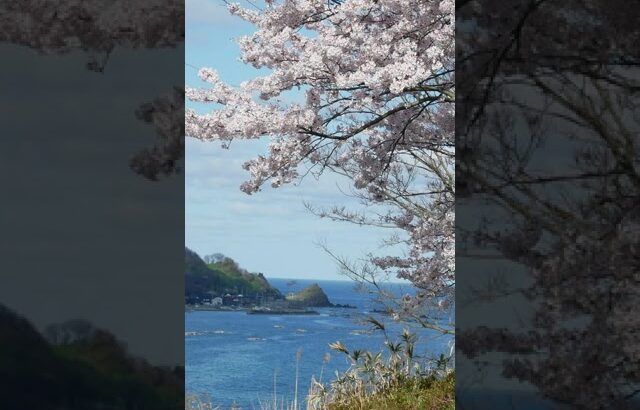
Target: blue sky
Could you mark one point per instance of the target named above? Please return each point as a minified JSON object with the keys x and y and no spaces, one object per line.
{"x":271,"y":231}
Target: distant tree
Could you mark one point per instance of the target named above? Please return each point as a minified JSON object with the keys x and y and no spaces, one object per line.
{"x":213,"y":258}
{"x":69,"y":332}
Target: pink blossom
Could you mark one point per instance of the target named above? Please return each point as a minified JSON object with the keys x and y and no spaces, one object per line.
{"x":377,"y":78}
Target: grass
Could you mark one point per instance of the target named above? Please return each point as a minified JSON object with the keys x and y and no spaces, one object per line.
{"x":427,"y":394}
{"x":396,"y":381}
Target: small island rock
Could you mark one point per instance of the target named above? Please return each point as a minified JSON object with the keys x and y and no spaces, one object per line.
{"x":312,"y":296}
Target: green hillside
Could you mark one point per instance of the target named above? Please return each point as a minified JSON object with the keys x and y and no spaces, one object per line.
{"x":221,"y":277}
{"x":79,"y":367}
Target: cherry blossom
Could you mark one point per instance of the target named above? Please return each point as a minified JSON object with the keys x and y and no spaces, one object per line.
{"x":375,"y":90}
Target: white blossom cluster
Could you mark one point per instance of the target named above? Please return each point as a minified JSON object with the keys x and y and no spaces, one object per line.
{"x":378,"y":91}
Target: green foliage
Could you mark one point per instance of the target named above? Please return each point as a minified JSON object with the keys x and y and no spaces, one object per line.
{"x":83,"y":368}
{"x":222,"y":277}
{"x":232,"y":277}
{"x":310,"y":296}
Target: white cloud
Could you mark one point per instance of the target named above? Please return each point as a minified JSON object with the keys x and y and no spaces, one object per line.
{"x":270,"y":231}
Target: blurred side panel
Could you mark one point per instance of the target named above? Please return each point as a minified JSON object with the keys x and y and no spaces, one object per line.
{"x":547,"y":207}
{"x":92,"y":208}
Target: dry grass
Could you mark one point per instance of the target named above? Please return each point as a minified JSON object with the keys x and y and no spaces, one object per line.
{"x":374,"y":381}
{"x":397,"y":380}
{"x":426,"y":394}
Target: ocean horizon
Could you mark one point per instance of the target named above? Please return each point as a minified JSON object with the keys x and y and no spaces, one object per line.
{"x":233,"y":358}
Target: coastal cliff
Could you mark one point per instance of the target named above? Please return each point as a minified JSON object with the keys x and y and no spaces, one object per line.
{"x":224,"y":276}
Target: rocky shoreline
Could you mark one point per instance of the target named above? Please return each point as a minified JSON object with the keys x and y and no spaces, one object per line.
{"x":299,"y":303}
{"x":259,"y":310}
{"x":281,"y":312}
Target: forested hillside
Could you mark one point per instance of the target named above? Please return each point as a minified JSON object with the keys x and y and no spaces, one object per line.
{"x":77,"y":366}
{"x":222,"y":276}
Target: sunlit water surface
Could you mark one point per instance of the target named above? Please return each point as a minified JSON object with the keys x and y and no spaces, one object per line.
{"x":232,"y":357}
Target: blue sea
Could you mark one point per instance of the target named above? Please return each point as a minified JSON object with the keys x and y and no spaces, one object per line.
{"x":232,"y":357}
